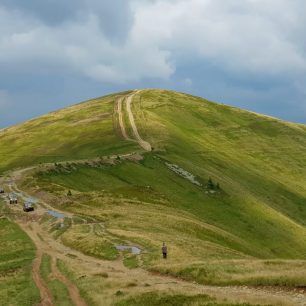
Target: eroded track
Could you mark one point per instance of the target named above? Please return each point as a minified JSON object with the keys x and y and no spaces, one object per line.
{"x":127,"y":101}
{"x":120,"y":275}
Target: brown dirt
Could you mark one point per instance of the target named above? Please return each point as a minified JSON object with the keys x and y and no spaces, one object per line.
{"x":45,"y":294}
{"x":72,"y":288}
{"x":128,"y":101}
{"x":144,"y":144}
{"x":120,"y":118}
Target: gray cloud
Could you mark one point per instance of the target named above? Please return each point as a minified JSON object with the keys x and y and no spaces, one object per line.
{"x":246,"y":50}
{"x":115,"y":18}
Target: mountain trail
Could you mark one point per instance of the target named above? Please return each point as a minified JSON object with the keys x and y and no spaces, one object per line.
{"x":45,"y":294}
{"x":119,"y":109}
{"x":120,"y":118}
{"x":144,"y":144}
{"x":121,"y":275}
{"x":72,"y":288}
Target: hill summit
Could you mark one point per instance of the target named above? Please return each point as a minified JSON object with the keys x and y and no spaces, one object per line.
{"x":215,"y":182}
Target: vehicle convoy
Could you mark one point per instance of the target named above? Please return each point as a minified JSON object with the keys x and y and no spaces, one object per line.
{"x":28,"y":206}
{"x":12,"y":198}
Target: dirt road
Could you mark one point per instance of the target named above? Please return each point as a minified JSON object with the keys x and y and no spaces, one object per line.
{"x":128,"y":100}
{"x":45,"y":294}
{"x":120,"y":118}
{"x":120,"y":275}
{"x":144,"y":144}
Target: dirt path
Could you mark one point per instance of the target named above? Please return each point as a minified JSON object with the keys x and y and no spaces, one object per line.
{"x":120,"y":275}
{"x":45,"y":294}
{"x":120,"y":118}
{"x":128,"y":101}
{"x":144,"y":144}
{"x":72,"y":288}
{"x":30,"y":225}
{"x":46,"y":246}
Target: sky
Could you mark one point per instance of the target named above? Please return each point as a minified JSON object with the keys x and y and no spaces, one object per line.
{"x":246,"y":53}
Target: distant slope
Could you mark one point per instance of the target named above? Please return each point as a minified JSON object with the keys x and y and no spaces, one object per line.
{"x":81,"y":131}
{"x":244,"y":151}
{"x":258,"y":161}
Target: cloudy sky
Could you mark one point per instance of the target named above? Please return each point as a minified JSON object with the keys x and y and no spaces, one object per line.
{"x":247,"y":53}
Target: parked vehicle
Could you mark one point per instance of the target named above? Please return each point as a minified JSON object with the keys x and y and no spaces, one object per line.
{"x":27,"y":206}
{"x":12,"y":198}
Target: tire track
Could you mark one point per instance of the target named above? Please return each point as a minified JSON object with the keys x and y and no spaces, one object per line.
{"x":45,"y":294}
{"x":144,"y":144}
{"x":120,"y":118}
{"x":72,"y":288}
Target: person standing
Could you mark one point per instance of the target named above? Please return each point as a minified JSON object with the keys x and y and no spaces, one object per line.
{"x":164,"y":250}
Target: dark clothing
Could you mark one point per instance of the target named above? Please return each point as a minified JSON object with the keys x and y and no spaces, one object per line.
{"x":164,"y":251}
{"x":165,"y":255}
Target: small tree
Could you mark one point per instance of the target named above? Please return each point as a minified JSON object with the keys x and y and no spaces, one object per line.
{"x":210,"y":184}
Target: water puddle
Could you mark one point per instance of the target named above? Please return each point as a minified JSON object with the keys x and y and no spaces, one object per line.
{"x":31,"y":200}
{"x":25,"y":198}
{"x":132,"y":249}
{"x":56,"y":214}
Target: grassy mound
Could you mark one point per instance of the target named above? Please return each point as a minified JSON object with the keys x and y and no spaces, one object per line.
{"x":221,"y":185}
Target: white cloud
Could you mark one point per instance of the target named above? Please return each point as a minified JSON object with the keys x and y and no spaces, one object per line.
{"x":81,"y":47}
{"x":241,"y":35}
{"x":252,"y":36}
{"x":240,"y":43}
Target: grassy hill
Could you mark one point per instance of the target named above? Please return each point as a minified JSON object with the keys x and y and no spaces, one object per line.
{"x":85,"y":130}
{"x":256,"y":219}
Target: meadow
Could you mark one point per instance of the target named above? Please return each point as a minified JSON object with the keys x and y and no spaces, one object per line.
{"x":224,"y":188}
{"x":16,"y":255}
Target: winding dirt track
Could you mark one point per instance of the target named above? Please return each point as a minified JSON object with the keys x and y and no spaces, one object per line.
{"x":121,"y":274}
{"x":45,"y":244}
{"x":128,"y":101}
{"x":120,"y":118}
{"x":45,"y":294}
{"x":32,"y":228}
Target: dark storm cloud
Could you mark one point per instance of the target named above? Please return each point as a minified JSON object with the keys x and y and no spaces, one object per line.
{"x":249,"y":53}
{"x":115,"y":17}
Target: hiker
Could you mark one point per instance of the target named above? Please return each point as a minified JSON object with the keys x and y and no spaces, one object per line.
{"x":164,"y":250}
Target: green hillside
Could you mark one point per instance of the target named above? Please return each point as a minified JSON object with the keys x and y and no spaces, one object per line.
{"x":85,"y":130}
{"x":255,"y":217}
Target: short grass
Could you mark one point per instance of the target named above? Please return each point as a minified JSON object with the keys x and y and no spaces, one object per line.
{"x":82,"y":131}
{"x":241,"y":272}
{"x":82,"y":238}
{"x":149,"y":186}
{"x":45,"y":267}
{"x":155,"y":299}
{"x":130,"y":261}
{"x":16,"y":255}
{"x":217,"y":238}
{"x":79,"y":281}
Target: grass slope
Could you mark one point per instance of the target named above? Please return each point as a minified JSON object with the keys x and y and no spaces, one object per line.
{"x":81,"y":131}
{"x":258,"y":217}
{"x":16,"y":255}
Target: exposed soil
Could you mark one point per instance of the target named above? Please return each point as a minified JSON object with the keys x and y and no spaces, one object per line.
{"x":120,"y":117}
{"x":128,"y":100}
{"x":45,"y":294}
{"x":144,"y":144}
